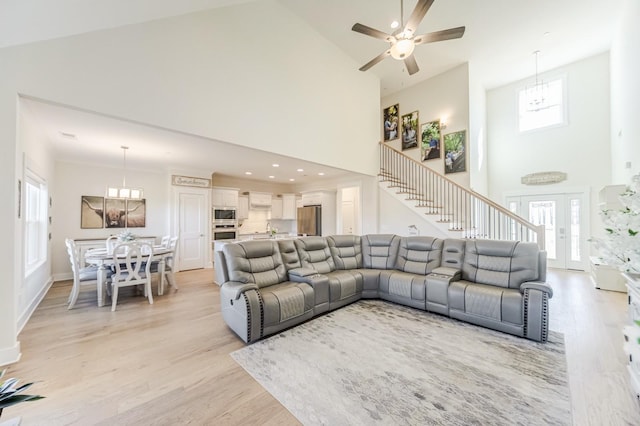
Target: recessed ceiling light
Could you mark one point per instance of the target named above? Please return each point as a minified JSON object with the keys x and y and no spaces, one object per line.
{"x":292,"y":180}
{"x":276,"y":165}
{"x":395,"y":24}
{"x":272,"y":177}
{"x":321,"y":174}
{"x":248,"y":173}
{"x":300,"y":170}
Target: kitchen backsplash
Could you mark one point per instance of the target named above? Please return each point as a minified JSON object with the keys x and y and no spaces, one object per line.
{"x":257,"y":222}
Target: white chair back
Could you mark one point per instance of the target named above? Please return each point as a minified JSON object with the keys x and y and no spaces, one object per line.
{"x":132,"y":262}
{"x":165,"y":241}
{"x":111,"y":243}
{"x":81,"y":275}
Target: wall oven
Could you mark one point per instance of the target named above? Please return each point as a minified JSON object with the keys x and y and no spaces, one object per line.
{"x":225,"y":232}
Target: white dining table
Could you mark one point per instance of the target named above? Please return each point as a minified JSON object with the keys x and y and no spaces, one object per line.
{"x":104,"y":259}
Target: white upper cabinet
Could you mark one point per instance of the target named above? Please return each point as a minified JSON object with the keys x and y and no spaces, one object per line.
{"x":276,"y":208}
{"x":243,"y":208}
{"x":224,"y":197}
{"x":289,"y":206}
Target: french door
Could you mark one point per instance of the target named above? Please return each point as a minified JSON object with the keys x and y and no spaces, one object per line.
{"x":565,"y":219}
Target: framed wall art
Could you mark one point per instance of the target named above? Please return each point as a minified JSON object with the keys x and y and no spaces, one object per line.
{"x":136,"y":214}
{"x":410,"y":130}
{"x":91,"y":212}
{"x":390,"y":126}
{"x":455,"y":152}
{"x":430,"y":140}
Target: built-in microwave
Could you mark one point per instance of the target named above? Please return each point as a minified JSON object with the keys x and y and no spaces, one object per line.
{"x":224,"y":214}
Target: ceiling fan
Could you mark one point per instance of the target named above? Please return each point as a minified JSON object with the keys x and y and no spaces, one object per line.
{"x":403,"y":40}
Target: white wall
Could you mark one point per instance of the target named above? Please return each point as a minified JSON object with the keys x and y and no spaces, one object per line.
{"x":477,"y":138}
{"x":625,"y":96}
{"x":395,"y":218}
{"x":580,"y":149}
{"x":445,"y":96}
{"x":212,"y":74}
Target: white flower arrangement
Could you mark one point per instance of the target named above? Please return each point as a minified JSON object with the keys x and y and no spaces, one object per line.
{"x":126,"y":236}
{"x":621,"y":245}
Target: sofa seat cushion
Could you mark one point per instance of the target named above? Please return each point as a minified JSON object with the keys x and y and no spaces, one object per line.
{"x":284,"y":301}
{"x":403,"y":286}
{"x":486,"y":301}
{"x":344,"y":284}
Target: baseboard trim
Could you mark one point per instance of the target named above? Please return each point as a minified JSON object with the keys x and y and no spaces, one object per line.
{"x":10,"y":355}
{"x":24,"y":317}
{"x":63,"y":277}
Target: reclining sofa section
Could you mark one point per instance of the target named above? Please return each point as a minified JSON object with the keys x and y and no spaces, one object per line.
{"x":271,"y":285}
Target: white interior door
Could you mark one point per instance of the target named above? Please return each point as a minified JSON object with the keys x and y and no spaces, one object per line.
{"x":350,"y":221}
{"x":564,"y":217}
{"x":192,"y":223}
{"x":348,"y":217}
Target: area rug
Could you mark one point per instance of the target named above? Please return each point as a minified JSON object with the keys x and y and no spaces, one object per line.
{"x":375,"y":362}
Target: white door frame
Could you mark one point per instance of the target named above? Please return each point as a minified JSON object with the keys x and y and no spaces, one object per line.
{"x":585,"y":222}
{"x":175,"y":218}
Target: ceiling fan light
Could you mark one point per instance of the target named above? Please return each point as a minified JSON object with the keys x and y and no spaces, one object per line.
{"x":402,"y":49}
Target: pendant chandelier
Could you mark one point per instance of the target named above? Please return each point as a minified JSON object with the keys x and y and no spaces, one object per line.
{"x":537,"y":96}
{"x":124,"y":191}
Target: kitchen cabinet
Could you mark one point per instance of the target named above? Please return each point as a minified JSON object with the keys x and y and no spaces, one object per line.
{"x":276,"y":208}
{"x":224,"y":197}
{"x":243,"y":208}
{"x":289,"y":206}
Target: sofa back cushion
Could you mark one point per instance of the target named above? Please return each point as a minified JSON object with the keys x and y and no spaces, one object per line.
{"x":419,"y":255}
{"x":501,"y":263}
{"x":315,"y":254}
{"x":346,"y":251}
{"x":380,"y":251}
{"x":453,"y":253}
{"x":289,"y":254}
{"x":256,"y":262}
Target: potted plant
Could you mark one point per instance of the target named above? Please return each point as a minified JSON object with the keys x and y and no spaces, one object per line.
{"x":11,"y":395}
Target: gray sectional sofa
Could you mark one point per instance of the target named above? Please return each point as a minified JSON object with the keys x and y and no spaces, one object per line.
{"x":271,"y":285}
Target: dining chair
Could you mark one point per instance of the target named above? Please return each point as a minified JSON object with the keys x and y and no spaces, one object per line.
{"x":172,"y":245}
{"x":111,"y":243}
{"x":131,"y":268}
{"x":164,"y":242}
{"x":82,"y":276}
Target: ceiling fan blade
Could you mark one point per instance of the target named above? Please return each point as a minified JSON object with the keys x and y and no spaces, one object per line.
{"x":375,"y":60}
{"x":363,"y":29}
{"x":449,"y":34}
{"x":417,"y":15}
{"x":411,"y":64}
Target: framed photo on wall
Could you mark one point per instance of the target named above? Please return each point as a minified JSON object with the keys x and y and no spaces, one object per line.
{"x":91,"y":212}
{"x":136,"y":213}
{"x":410,"y":130}
{"x":430,"y":140}
{"x":390,"y":119}
{"x":114,"y":213}
{"x":455,"y":152}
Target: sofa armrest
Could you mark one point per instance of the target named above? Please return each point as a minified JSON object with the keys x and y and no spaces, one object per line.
{"x":234,"y":289}
{"x":452,"y":273}
{"x":537,"y":285}
{"x":302,"y":272}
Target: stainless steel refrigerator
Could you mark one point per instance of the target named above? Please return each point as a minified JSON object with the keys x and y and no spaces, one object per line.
{"x":310,"y":220}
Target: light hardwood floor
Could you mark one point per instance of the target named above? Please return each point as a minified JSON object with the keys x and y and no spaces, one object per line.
{"x":168,"y":363}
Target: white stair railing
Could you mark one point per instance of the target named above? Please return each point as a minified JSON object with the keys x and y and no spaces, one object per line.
{"x":464,"y":210}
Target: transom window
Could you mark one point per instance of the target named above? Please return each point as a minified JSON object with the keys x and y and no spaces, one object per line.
{"x":542,"y":105}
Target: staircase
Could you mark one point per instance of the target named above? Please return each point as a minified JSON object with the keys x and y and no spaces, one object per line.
{"x":465,"y":213}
